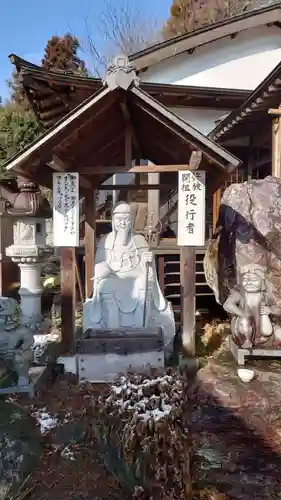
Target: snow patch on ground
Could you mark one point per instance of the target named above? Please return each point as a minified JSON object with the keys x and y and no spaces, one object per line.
{"x":45,"y":421}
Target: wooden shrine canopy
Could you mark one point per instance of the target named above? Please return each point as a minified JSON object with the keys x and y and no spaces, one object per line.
{"x":95,"y":138}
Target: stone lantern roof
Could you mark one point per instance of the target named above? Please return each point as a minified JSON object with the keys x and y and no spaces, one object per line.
{"x":29,"y":201}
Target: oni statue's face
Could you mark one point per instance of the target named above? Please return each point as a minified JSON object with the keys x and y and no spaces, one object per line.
{"x":122,"y":222}
{"x":252,"y":282}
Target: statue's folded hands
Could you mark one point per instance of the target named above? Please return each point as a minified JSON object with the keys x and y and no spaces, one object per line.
{"x":102,"y":271}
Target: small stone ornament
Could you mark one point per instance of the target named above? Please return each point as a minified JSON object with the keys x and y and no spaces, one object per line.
{"x":121,"y":73}
{"x":245,"y":375}
{"x":16,"y":340}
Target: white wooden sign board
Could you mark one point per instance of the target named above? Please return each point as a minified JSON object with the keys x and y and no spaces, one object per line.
{"x":191,"y":208}
{"x":66,"y":209}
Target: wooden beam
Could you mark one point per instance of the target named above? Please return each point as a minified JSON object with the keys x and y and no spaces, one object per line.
{"x":274,"y":112}
{"x":82,"y":114}
{"x":137,"y":169}
{"x":262,"y":161}
{"x":133,"y":187}
{"x":90,"y":240}
{"x":276,"y":145}
{"x":129,"y":122}
{"x":216,"y":207}
{"x":59,"y":166}
{"x":128,"y":147}
{"x":187,"y":275}
{"x":153,"y":201}
{"x":161,"y":272}
{"x":174,"y":123}
{"x":251,"y":163}
{"x":169,"y":212}
{"x":195,"y":160}
{"x":68,"y":298}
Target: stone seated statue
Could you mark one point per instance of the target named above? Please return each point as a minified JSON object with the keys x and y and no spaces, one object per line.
{"x":252,"y":308}
{"x":126,"y":292}
{"x":16,"y":340}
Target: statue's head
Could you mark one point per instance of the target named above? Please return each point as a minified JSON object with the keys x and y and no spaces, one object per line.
{"x":253,"y":278}
{"x":122,"y":217}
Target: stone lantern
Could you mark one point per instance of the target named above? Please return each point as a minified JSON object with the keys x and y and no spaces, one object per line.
{"x":29,"y":210}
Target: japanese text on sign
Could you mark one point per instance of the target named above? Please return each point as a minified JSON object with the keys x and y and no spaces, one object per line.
{"x":191,"y":208}
{"x":66,"y":209}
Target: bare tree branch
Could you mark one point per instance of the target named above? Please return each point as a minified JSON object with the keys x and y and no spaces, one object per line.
{"x":123,"y":29}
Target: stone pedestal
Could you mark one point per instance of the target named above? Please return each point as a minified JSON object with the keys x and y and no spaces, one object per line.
{"x":30,"y":260}
{"x":240,"y":354}
{"x":30,"y":290}
{"x":28,"y":210}
{"x":111,"y":352}
{"x":37,"y":375}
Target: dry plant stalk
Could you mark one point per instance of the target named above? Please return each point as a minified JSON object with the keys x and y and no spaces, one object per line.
{"x":210,"y":494}
{"x":142,"y":417}
{"x":214,"y":334}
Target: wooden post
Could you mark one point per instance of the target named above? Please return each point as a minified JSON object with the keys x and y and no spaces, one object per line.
{"x":9,"y":270}
{"x":216,"y":207}
{"x":128,"y":157}
{"x":68,"y":298}
{"x":153,"y":200}
{"x":276,"y":147}
{"x":276,"y":141}
{"x":161,"y":273}
{"x":188,"y":298}
{"x":90,"y":240}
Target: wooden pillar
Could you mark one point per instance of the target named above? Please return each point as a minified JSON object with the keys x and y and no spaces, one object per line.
{"x":276,"y":147}
{"x":161,"y":273}
{"x":276,"y":141}
{"x":216,"y":207}
{"x":153,"y":199}
{"x":9,"y":270}
{"x":68,"y":298}
{"x":188,"y":298}
{"x":90,"y":240}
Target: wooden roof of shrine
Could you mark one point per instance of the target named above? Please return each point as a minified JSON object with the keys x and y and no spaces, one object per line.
{"x":251,"y":117}
{"x":91,"y":138}
{"x":53,"y":94}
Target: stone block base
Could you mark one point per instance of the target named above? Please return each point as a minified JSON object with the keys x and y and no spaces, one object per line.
{"x":37,"y":375}
{"x":240,"y":354}
{"x":107,"y":353}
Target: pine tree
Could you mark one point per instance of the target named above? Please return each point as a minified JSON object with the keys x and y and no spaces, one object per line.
{"x":61,"y":54}
{"x":189,"y":15}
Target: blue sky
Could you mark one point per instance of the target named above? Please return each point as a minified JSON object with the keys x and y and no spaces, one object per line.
{"x":26,"y":25}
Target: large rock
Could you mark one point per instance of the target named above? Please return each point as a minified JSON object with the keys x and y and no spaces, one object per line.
{"x":19,"y":447}
{"x":248,"y":231}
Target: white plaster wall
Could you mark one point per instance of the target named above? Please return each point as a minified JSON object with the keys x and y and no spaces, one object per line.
{"x":239,"y":63}
{"x":203,"y":120}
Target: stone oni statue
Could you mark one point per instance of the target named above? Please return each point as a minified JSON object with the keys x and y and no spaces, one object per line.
{"x":16,"y":340}
{"x":251,"y":307}
{"x":126,"y":292}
